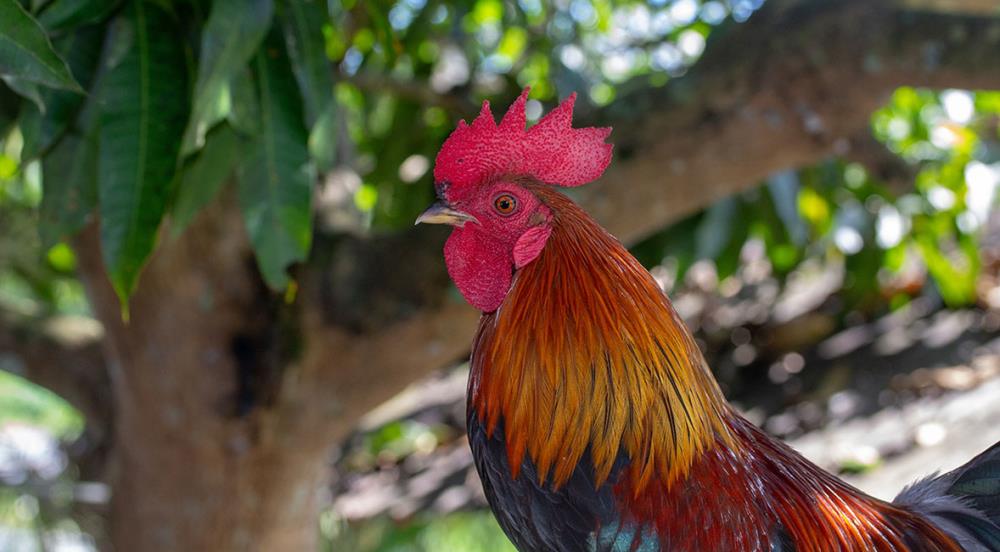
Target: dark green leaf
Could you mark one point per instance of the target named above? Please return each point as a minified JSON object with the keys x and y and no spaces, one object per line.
{"x":25,"y":50}
{"x":70,"y":187}
{"x":234,"y":30}
{"x":141,"y":123}
{"x":716,"y":229}
{"x":203,"y":177}
{"x":275,"y":180}
{"x":82,"y":50}
{"x":245,"y":113}
{"x":65,"y":14}
{"x":303,"y":21}
{"x":26,"y":89}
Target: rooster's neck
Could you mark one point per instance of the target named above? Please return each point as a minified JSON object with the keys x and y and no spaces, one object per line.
{"x":586,"y":354}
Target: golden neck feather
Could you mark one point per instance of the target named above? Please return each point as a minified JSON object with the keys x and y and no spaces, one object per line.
{"x":586,"y":352}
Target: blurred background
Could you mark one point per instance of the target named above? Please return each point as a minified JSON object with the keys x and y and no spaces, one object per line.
{"x":219,"y":329}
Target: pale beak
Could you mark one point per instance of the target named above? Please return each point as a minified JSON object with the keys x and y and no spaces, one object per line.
{"x":440,"y":213}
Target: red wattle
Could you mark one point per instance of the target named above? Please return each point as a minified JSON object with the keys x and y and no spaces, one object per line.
{"x":480,"y":265}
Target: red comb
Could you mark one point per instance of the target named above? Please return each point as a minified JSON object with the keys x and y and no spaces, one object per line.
{"x":551,"y":151}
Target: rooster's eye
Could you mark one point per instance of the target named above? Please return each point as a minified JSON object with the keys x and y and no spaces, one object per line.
{"x":505,"y":204}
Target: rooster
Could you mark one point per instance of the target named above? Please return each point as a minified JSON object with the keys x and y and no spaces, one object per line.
{"x":593,"y":418}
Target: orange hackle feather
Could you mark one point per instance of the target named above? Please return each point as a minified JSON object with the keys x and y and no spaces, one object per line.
{"x":586,"y":354}
{"x":616,"y":370}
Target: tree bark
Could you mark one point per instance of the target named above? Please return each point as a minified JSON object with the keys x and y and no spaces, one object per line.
{"x":795,"y":84}
{"x":204,"y":458}
{"x":227,"y":398}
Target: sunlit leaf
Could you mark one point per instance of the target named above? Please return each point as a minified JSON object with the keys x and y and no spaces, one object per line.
{"x":233,"y":32}
{"x":815,"y":209}
{"x":203,"y":177}
{"x":142,"y":119}
{"x":26,"y":53}
{"x":323,"y":137}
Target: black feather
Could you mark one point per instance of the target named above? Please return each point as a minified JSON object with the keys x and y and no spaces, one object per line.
{"x":537,"y":518}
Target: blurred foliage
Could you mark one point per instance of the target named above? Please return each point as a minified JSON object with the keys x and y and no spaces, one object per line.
{"x":887,"y":241}
{"x":465,"y":531}
{"x":184,"y":98}
{"x":354,"y":98}
{"x":36,"y":488}
{"x":27,"y":403}
{"x":326,"y":116}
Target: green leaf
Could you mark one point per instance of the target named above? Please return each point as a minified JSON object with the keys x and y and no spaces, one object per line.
{"x":65,"y":14}
{"x":784,"y":189}
{"x":26,"y":53}
{"x":26,"y":89}
{"x":82,"y":50}
{"x":234,"y":30}
{"x":380,"y":20}
{"x":203,"y":177}
{"x":303,"y":21}
{"x":143,"y":115}
{"x":303,"y":29}
{"x":245,"y":113}
{"x":715,"y":231}
{"x":70,"y":187}
{"x":276,"y":181}
{"x":323,"y":137}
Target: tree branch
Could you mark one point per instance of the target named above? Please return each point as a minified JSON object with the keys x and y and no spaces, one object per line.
{"x":795,"y":84}
{"x":410,"y":90}
{"x":790,"y":87}
{"x":975,"y":7}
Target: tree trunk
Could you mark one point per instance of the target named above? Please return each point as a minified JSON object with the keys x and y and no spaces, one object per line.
{"x":209,"y":454}
{"x":188,"y":492}
{"x":227,"y":396}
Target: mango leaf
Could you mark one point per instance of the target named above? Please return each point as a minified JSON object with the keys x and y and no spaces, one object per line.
{"x":275,"y":186}
{"x":716,"y":229}
{"x":142,"y":118}
{"x":234,"y":30}
{"x":323,"y":137}
{"x":26,"y":53}
{"x":66,"y":14}
{"x":955,"y":274}
{"x":245,"y":113}
{"x":70,"y":186}
{"x":387,"y":39}
{"x":82,"y":50}
{"x":26,"y":89}
{"x":302,"y":21}
{"x":784,"y":189}
{"x":203,"y":177}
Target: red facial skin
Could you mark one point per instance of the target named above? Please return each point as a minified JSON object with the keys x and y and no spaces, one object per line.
{"x":482,"y":255}
{"x":480,"y":162}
